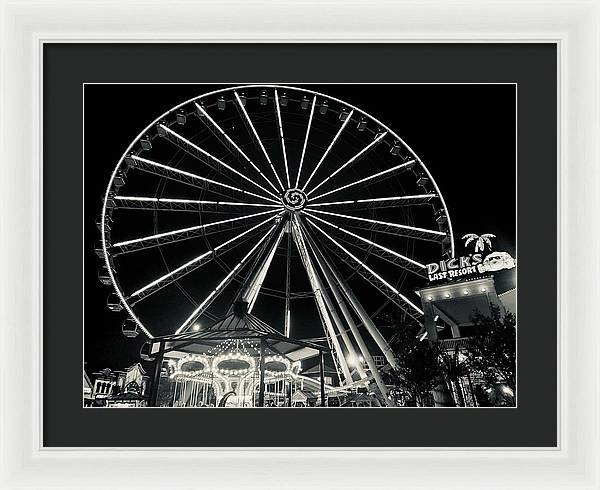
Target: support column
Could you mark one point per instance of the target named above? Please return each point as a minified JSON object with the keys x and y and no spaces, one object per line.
{"x":322,"y":308}
{"x":261,"y":381}
{"x":322,"y":378}
{"x":157,"y":368}
{"x":368,"y":323}
{"x":338,"y":322}
{"x":325,"y":267}
{"x":251,"y":294}
{"x":287,"y":320}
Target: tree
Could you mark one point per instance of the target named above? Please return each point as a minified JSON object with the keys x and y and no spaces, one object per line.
{"x":418,"y":368}
{"x":492,"y":353}
{"x":454,"y":368}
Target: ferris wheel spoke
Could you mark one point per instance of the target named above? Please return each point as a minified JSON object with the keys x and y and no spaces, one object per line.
{"x":335,"y":138}
{"x":369,"y":273}
{"x":256,"y":138}
{"x":282,"y":140}
{"x":184,"y":177}
{"x":385,"y":253}
{"x":204,"y":156}
{"x":180,"y":234}
{"x":362,"y":153}
{"x":385,"y":226}
{"x":379,"y":202}
{"x":192,"y":265}
{"x":219,"y":288}
{"x":374,"y":178}
{"x":228,"y":142}
{"x":310,"y":118}
{"x":172,"y":204}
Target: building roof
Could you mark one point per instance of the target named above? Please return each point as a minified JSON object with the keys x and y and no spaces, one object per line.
{"x":137,"y":366}
{"x":303,"y":395}
{"x":509,"y":300}
{"x":126,"y":396}
{"x":87,"y":382}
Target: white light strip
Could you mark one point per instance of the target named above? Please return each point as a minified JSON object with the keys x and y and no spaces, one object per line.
{"x":379,"y":174}
{"x":214,"y":123}
{"x":204,"y":179}
{"x":223,"y":282}
{"x":192,"y":228}
{"x":279,"y":123}
{"x":193,"y":201}
{"x":200,"y":257}
{"x":310,"y":118}
{"x":385,"y":223}
{"x":243,"y":109}
{"x":381,"y":247}
{"x":220,"y":162}
{"x":252,"y":295}
{"x":365,"y":266}
{"x":335,"y":138}
{"x":349,"y":162}
{"x":376,"y":199}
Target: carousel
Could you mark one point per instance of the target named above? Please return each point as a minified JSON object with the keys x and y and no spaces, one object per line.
{"x":238,"y":361}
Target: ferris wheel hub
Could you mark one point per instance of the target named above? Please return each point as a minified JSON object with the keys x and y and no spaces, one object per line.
{"x":294,"y":200}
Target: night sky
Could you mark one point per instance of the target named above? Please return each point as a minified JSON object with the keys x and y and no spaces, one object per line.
{"x":464,"y":134}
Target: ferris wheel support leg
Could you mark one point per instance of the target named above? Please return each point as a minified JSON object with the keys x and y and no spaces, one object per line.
{"x":370,"y":326}
{"x":353,"y":328}
{"x":156,"y":378}
{"x":287,"y":319}
{"x":347,"y":316}
{"x":322,"y":378}
{"x":251,"y":293}
{"x":318,"y":291}
{"x":261,"y":381}
{"x":339,"y":324}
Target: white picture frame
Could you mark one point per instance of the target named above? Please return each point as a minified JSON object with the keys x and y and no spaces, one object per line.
{"x":26,"y":27}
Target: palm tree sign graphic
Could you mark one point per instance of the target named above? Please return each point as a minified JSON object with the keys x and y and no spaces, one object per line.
{"x":481,"y":241}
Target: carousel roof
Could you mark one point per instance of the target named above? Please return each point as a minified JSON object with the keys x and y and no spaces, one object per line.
{"x":238,"y":325}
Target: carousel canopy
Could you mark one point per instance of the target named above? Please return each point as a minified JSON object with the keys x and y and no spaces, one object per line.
{"x":238,"y":325}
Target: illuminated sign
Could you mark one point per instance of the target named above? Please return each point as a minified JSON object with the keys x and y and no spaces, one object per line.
{"x":471,"y":264}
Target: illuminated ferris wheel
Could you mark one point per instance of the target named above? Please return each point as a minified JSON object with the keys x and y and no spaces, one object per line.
{"x":234,"y":194}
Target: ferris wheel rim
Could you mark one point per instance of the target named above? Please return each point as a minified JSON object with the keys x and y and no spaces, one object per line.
{"x":234,"y":89}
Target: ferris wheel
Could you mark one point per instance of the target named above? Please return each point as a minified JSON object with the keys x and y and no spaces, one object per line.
{"x":234,"y":194}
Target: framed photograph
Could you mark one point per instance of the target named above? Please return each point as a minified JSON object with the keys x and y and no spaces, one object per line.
{"x":271,"y":255}
{"x":332,"y":275}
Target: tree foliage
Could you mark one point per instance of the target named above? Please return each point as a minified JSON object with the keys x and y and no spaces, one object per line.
{"x":492,"y":353}
{"x":418,"y":367}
